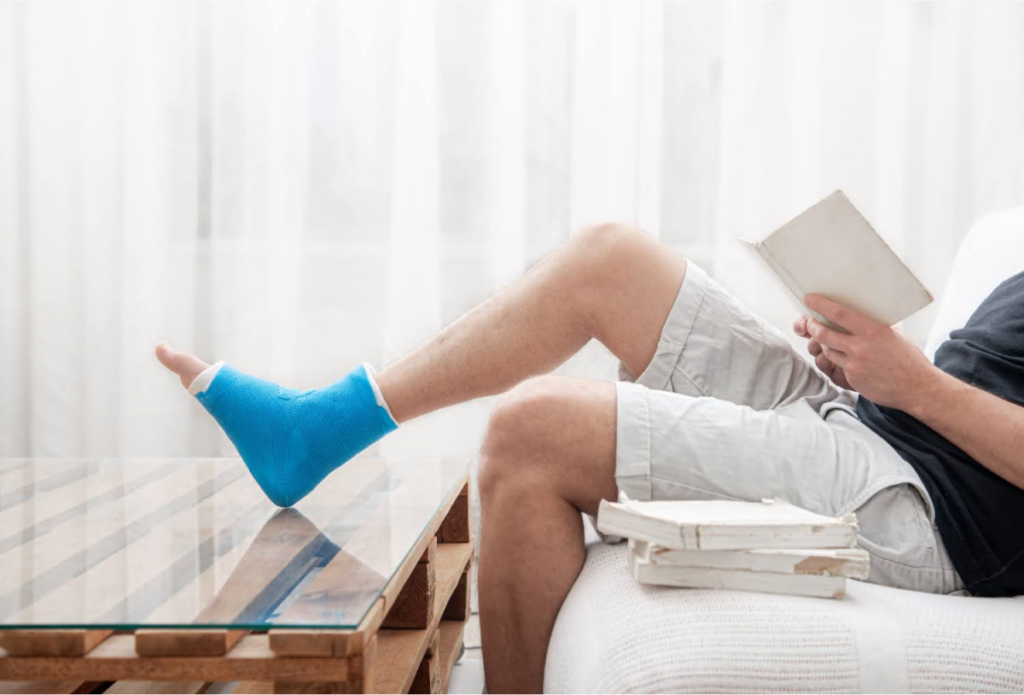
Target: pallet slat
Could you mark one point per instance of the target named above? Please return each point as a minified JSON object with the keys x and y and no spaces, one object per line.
{"x":401,"y":651}
{"x":451,"y":634}
{"x":51,"y":642}
{"x":115,"y":659}
{"x":157,"y":687}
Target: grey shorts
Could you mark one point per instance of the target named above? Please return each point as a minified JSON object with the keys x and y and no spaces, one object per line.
{"x":728,"y":409}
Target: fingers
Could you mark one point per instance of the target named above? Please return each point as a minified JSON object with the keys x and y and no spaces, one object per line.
{"x":800,"y":327}
{"x":838,"y":377}
{"x":824,"y":364}
{"x":844,"y":316}
{"x":834,"y":356}
{"x":828,"y":337}
{"x":813,"y":347}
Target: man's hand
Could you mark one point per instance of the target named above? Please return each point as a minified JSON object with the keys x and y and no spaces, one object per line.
{"x":874,"y":359}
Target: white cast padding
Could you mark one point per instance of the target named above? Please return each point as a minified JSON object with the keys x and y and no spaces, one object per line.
{"x":613,"y":635}
{"x":205,"y":378}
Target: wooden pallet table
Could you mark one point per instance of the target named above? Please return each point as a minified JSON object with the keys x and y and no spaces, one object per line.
{"x":165,"y":576}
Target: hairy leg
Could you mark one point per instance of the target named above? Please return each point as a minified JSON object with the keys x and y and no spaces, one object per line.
{"x":549,"y":454}
{"x":610,"y":282}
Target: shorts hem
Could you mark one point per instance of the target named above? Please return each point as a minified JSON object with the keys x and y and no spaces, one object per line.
{"x":677,"y":329}
{"x":633,"y":441}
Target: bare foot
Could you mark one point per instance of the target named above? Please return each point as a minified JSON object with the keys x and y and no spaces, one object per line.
{"x":186,"y":365}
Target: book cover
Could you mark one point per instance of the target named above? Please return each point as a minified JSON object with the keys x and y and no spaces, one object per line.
{"x":832,"y":250}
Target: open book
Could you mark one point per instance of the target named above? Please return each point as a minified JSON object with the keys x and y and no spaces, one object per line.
{"x":725,"y":525}
{"x":831,"y":250}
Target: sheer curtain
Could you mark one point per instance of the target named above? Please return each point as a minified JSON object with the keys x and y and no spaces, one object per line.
{"x":300,"y":187}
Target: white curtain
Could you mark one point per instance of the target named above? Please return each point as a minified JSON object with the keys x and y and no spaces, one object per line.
{"x":297,"y":188}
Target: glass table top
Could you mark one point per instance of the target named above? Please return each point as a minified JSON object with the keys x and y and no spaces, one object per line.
{"x":175,"y":543}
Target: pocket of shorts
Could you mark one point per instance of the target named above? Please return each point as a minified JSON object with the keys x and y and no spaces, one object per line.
{"x":895,"y":527}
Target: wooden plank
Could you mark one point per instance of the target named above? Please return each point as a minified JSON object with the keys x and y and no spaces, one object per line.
{"x":459,"y":607}
{"x":63,"y":687}
{"x":270,"y":567}
{"x":415,"y":604}
{"x":362,"y":668}
{"x":186,"y":642}
{"x":253,"y":688}
{"x":328,"y":643}
{"x":428,"y":675}
{"x":455,"y":527}
{"x":360,"y":675}
{"x":431,"y":552}
{"x":154,"y":688}
{"x":115,"y":659}
{"x":401,"y":651}
{"x":451,"y":634}
{"x":51,"y":642}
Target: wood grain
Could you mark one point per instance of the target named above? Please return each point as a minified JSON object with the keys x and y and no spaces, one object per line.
{"x":428,"y":675}
{"x":415,"y":604}
{"x":63,"y":687}
{"x":51,"y":642}
{"x":115,"y":659}
{"x":186,"y":642}
{"x":157,"y":687}
{"x":451,"y":634}
{"x":459,"y":607}
{"x":456,"y":525}
{"x":328,"y":643}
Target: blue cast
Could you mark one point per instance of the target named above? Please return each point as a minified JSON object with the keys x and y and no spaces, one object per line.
{"x":290,"y":439}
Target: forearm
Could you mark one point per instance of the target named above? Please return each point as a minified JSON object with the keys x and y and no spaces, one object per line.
{"x":989,"y":429}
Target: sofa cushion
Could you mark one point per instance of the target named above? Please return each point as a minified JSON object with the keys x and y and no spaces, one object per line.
{"x":992,"y":251}
{"x":614,"y":635}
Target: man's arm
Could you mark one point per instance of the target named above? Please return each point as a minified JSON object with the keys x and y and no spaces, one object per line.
{"x":880,"y":363}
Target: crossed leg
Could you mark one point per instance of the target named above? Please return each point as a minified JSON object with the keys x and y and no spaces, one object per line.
{"x":549,"y":451}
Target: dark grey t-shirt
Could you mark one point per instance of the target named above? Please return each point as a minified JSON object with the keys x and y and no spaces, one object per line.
{"x":980,"y":516}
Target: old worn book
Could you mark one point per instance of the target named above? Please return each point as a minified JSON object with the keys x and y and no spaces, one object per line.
{"x":737,"y":580}
{"x":831,"y":250}
{"x":840,"y":562}
{"x":725,"y":525}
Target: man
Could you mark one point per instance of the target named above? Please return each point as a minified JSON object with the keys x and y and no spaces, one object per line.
{"x":721,"y":407}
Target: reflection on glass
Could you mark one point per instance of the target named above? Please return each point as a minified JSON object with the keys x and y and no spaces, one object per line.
{"x":180,"y":543}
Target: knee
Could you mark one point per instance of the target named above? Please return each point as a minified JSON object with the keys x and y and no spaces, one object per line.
{"x":609,"y":241}
{"x":519,"y":429}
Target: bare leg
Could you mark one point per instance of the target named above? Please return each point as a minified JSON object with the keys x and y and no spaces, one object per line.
{"x":609,"y":282}
{"x":549,"y":453}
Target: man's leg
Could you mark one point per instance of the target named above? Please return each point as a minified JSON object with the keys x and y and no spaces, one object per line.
{"x":610,"y":282}
{"x":549,"y":454}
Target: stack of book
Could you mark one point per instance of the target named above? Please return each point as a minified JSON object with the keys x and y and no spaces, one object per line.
{"x":767,"y":546}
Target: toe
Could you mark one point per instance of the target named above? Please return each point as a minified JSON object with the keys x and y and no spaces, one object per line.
{"x":186,"y":365}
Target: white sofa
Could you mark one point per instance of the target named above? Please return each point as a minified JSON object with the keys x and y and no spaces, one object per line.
{"x":613,"y":635}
